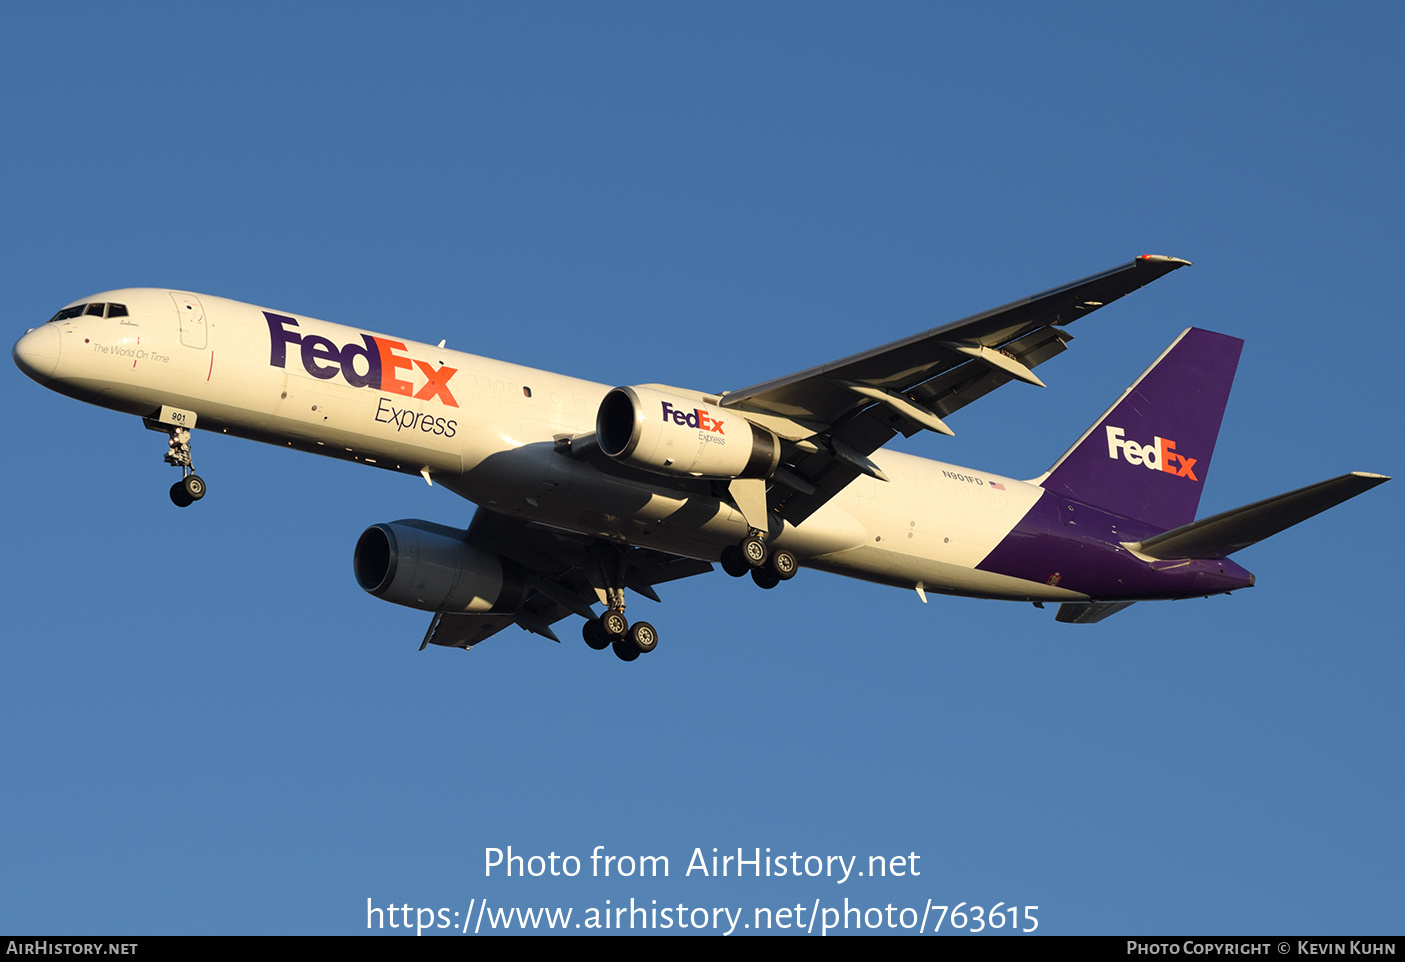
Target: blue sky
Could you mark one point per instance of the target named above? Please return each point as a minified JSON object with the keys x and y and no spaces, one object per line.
{"x":209,"y":728}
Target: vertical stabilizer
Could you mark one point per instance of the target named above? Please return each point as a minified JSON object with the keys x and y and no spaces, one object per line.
{"x":1148,"y":457}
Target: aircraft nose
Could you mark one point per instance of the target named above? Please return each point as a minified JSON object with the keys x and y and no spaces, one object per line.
{"x":37,"y":353}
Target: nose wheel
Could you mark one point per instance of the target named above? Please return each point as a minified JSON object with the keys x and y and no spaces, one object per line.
{"x":187,"y":491}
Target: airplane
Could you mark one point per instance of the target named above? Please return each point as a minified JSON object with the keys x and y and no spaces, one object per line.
{"x":585,"y":492}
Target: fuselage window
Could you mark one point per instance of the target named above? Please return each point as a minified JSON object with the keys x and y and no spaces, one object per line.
{"x":96,"y":309}
{"x":117,"y":310}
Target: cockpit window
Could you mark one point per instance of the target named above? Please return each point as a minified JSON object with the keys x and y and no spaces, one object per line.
{"x":68,"y":312}
{"x":93,"y":310}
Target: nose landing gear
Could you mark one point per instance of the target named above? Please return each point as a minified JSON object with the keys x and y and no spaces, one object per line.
{"x":191,"y":487}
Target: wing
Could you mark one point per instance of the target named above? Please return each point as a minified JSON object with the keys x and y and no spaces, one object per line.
{"x":854,"y":406}
{"x":565,"y":573}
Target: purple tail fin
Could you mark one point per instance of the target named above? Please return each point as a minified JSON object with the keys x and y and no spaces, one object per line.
{"x":1147,"y":458}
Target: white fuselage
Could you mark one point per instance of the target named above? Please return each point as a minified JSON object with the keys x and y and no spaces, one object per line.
{"x":490,"y":432}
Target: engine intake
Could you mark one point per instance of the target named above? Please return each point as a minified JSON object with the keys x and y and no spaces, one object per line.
{"x":682,"y":436}
{"x":431,"y":567}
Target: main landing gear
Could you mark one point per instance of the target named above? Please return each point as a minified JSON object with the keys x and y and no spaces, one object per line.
{"x":191,"y":487}
{"x":767,"y":567}
{"x":612,"y":629}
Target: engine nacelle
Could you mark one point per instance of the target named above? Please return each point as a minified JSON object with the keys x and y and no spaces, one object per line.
{"x":677,"y":435}
{"x":429,"y":566}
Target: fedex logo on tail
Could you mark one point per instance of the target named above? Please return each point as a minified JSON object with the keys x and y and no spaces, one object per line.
{"x":698,"y":418}
{"x":382,"y":358}
{"x":1160,"y":455}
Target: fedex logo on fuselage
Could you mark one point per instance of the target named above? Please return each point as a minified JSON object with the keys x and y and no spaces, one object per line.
{"x":697,"y":418}
{"x":1160,"y":455}
{"x":382,"y":357}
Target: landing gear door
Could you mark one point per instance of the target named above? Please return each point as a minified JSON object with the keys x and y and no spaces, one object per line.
{"x":192,"y":319}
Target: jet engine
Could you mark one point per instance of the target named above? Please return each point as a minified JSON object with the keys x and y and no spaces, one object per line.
{"x":430,"y":566}
{"x":677,"y":435}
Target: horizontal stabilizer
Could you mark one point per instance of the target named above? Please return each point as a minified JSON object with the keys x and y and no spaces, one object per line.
{"x":1082,"y":613}
{"x":1224,"y":534}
